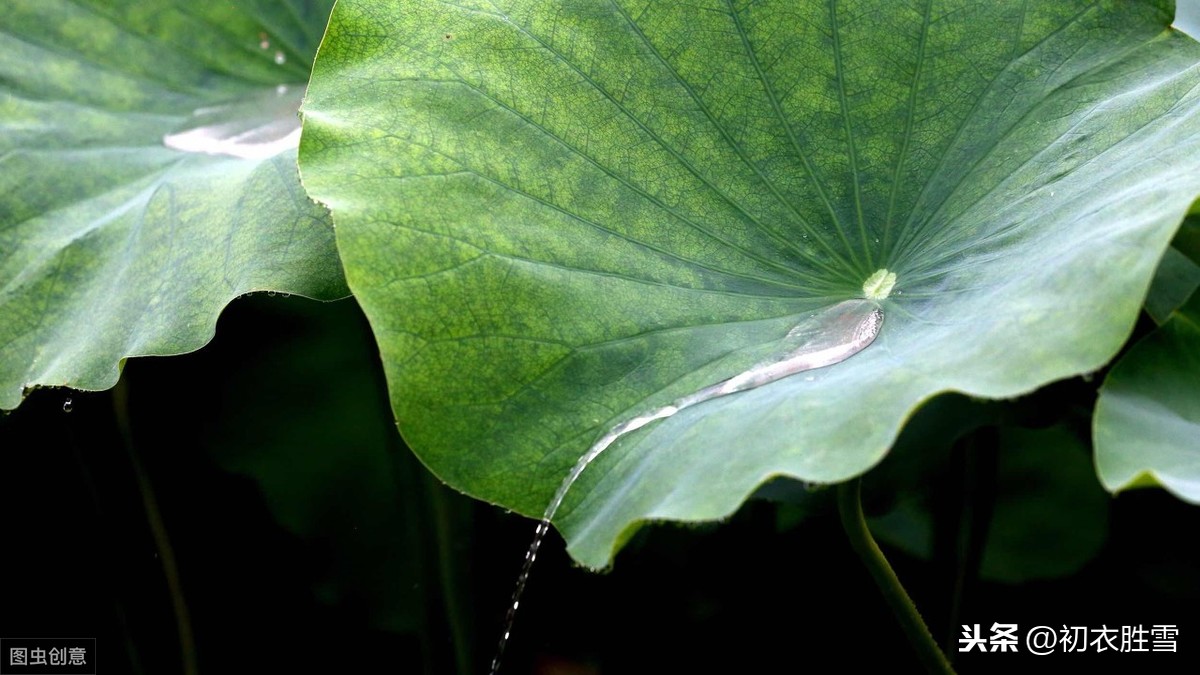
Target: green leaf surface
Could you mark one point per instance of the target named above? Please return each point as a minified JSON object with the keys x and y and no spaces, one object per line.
{"x":560,"y":215}
{"x":111,"y":243}
{"x":1147,"y":423}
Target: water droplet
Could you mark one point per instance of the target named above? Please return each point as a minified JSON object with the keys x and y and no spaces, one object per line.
{"x":68,"y":405}
{"x":280,"y":58}
{"x":257,"y":126}
{"x":270,"y":294}
{"x":264,"y":44}
{"x":281,"y":90}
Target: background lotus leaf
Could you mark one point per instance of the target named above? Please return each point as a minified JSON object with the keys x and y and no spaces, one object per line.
{"x":1148,"y":415}
{"x":114,"y":245}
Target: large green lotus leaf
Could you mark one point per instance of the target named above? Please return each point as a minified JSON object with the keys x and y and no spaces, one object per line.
{"x":560,"y":215}
{"x":113,"y":244}
{"x":1147,"y":423}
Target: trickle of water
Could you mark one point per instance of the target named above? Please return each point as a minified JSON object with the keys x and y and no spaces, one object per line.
{"x":822,"y":339}
{"x":258,"y":126}
{"x":280,"y":58}
{"x":68,"y":405}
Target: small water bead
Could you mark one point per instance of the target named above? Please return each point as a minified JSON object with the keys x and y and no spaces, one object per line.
{"x":280,"y":58}
{"x":68,"y":405}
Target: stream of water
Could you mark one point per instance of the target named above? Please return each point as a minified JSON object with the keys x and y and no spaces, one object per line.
{"x":822,"y":339}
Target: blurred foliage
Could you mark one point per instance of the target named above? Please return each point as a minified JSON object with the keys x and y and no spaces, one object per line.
{"x":277,"y":577}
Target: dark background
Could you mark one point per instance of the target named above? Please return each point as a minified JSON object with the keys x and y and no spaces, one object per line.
{"x":304,"y":535}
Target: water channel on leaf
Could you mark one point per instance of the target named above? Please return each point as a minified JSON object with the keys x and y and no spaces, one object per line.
{"x":258,"y":126}
{"x":823,"y":338}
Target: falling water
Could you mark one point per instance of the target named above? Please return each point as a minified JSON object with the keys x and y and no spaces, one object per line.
{"x":821,"y":339}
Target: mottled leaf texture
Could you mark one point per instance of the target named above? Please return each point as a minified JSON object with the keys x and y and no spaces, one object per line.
{"x":561,"y":214}
{"x":114,"y":245}
{"x":1147,"y":423}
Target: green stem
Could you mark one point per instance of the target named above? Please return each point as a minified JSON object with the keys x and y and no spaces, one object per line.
{"x":977,"y":455}
{"x":447,"y":572}
{"x":131,"y":652}
{"x":850,"y":507}
{"x":166,"y":554}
